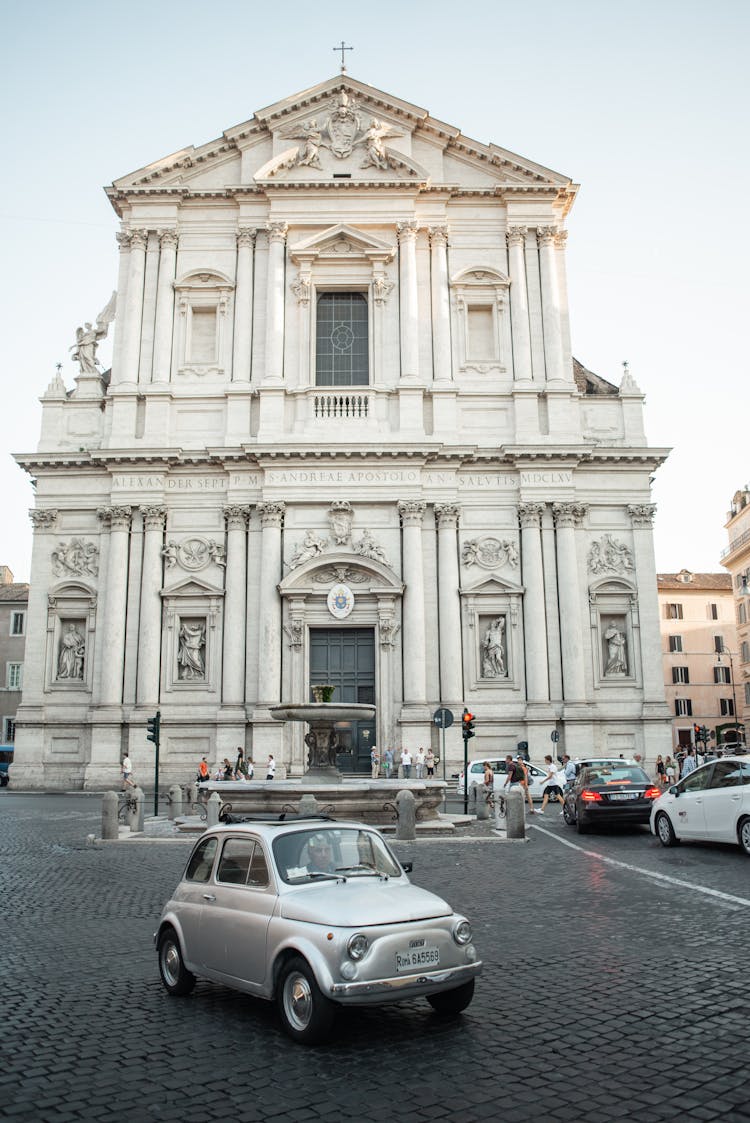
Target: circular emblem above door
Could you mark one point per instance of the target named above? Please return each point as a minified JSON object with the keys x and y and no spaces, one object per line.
{"x":340,"y":601}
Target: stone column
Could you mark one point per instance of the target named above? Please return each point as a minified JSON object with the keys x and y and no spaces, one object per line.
{"x":449,"y":603}
{"x":269,"y":613}
{"x":133,"y":317}
{"x":243,"y":306}
{"x":551,"y":312}
{"x":567,"y":517}
{"x":534,"y":616}
{"x":233,"y":679}
{"x":112,"y":636}
{"x":642,"y":518}
{"x":441,"y":309}
{"x":275,"y":302}
{"x":165,"y":307}
{"x":519,"y":304}
{"x":149,"y":633}
{"x":408,"y":294}
{"x":413,"y":631}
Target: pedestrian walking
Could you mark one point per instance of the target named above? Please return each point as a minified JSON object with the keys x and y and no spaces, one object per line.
{"x":388,"y":763}
{"x":419,"y":762}
{"x":525,"y":783}
{"x":127,"y":773}
{"x":489,"y":777}
{"x":517,"y":777}
{"x":203,"y":771}
{"x":661,"y":770}
{"x":689,"y":764}
{"x":374,"y":762}
{"x":552,"y":787}
{"x":270,"y":767}
{"x":569,"y":769}
{"x":240,"y":765}
{"x":250,"y":769}
{"x":670,"y":771}
{"x":429,"y":761}
{"x":406,"y":763}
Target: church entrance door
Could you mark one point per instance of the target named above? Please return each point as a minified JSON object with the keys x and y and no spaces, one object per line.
{"x":345,"y":658}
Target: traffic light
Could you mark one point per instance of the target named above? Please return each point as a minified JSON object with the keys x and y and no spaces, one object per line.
{"x":704,"y":735}
{"x":696,"y":732}
{"x":152,"y":726}
{"x":468,"y":724}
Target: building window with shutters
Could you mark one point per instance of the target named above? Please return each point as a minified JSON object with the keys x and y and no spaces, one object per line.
{"x":680,"y":674}
{"x":674,"y":612}
{"x":721,"y":674}
{"x":683,"y":707}
{"x":727,"y":707}
{"x":675,"y":643}
{"x":341,"y":339}
{"x":14,"y":676}
{"x":17,"y":623}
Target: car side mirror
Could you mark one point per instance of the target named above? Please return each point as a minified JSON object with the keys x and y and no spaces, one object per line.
{"x":407,"y":867}
{"x":674,"y":791}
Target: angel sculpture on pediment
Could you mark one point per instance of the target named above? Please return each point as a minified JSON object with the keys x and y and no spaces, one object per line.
{"x":312,"y":135}
{"x":375,"y":153}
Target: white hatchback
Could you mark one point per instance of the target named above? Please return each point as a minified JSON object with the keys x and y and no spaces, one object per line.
{"x":476,"y":775}
{"x":712,"y":804}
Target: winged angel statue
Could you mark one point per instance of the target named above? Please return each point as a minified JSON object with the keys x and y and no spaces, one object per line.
{"x":341,"y":132}
{"x":87,"y":339}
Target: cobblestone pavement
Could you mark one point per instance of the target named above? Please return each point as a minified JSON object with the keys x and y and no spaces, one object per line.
{"x":615,"y":985}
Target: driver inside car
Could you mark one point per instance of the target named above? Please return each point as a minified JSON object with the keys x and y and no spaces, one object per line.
{"x":320,"y":855}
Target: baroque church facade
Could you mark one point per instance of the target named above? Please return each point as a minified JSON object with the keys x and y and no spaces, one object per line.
{"x":343,"y":441}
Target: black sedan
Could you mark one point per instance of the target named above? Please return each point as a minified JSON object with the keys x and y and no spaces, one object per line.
{"x":609,"y":794}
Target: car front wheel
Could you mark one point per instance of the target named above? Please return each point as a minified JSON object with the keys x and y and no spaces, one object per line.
{"x":449,"y":1002}
{"x":665,"y":831}
{"x":306,"y":1014}
{"x":743,"y":833}
{"x":174,"y":974}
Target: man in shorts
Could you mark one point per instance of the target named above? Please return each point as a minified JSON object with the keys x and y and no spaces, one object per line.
{"x":517,"y":776}
{"x":553,"y":785}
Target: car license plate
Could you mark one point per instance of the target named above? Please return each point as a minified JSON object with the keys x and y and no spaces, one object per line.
{"x":417,"y":957}
{"x":624,"y":795}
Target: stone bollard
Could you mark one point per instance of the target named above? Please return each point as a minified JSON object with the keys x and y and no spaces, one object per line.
{"x":213,"y":807}
{"x":191,"y":793}
{"x":479,"y":799}
{"x":406,"y":810}
{"x":175,"y":801}
{"x":515,"y":820}
{"x":308,"y":805}
{"x":136,"y":804}
{"x":110,"y":805}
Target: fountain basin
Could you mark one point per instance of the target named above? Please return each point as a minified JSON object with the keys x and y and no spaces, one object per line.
{"x":322,"y":738}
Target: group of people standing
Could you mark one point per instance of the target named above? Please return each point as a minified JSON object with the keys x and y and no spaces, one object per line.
{"x":243,"y":769}
{"x":423,"y":762}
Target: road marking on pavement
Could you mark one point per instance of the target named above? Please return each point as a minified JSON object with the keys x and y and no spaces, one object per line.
{"x":646,"y":873}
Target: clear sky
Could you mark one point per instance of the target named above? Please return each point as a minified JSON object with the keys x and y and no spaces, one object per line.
{"x":646,"y":105}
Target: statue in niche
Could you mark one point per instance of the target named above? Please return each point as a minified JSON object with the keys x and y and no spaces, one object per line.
{"x":191,"y":651}
{"x":72,"y":651}
{"x":493,"y":649}
{"x":617,"y":660}
{"x":87,"y":339}
{"x":311,"y":546}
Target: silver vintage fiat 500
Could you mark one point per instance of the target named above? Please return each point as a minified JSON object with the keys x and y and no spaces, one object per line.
{"x":315,"y":914}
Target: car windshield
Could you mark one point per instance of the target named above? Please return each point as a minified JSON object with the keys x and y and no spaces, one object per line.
{"x":322,"y":853}
{"x":615,"y":774}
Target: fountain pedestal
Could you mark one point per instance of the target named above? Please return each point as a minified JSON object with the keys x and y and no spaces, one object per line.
{"x":322,"y":738}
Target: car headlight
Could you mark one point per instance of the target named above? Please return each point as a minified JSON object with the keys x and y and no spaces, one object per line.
{"x":462,"y":932}
{"x":357,"y":946}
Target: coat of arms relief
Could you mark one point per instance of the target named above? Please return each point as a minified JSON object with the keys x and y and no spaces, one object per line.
{"x":344,"y":128}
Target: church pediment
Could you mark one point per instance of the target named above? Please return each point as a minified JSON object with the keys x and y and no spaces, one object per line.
{"x":341,"y":241}
{"x":191,"y":587}
{"x":492,"y":586}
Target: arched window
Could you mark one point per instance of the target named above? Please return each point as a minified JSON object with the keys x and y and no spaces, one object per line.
{"x":341,"y":348}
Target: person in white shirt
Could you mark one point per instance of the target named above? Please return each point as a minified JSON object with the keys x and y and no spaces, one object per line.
{"x":419,"y":761}
{"x":127,"y":773}
{"x":270,"y":768}
{"x":406,"y":763}
{"x":552,"y":786}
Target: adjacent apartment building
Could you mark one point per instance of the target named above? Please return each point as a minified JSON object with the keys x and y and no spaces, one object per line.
{"x":699,"y":651}
{"x":14,"y":603}
{"x":736,"y":558}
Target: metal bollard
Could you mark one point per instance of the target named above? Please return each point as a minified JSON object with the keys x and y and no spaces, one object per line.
{"x":515,"y":820}
{"x":136,"y":805}
{"x":213,"y":807}
{"x":479,"y":800}
{"x":110,"y":805}
{"x":406,"y":810}
{"x":174,"y":802}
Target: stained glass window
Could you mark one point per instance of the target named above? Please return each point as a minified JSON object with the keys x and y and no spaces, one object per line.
{"x":341,"y":340}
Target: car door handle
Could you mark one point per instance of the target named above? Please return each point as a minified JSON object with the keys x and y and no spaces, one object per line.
{"x":209,"y":897}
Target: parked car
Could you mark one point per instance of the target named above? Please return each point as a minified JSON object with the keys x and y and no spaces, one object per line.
{"x":6,"y":759}
{"x":601,"y":762}
{"x":612,"y":791}
{"x":476,"y":775}
{"x":712,"y":803}
{"x":314,"y":914}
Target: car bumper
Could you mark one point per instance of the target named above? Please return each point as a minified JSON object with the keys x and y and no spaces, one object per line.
{"x":379,"y":991}
{"x":614,"y":815}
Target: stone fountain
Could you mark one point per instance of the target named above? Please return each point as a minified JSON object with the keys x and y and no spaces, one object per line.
{"x":322,"y":738}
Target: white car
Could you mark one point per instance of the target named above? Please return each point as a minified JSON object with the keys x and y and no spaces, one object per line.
{"x":476,"y":775}
{"x":711,"y":803}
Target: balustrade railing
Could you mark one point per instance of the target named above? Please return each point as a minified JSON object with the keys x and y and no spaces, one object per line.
{"x":342,"y":405}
